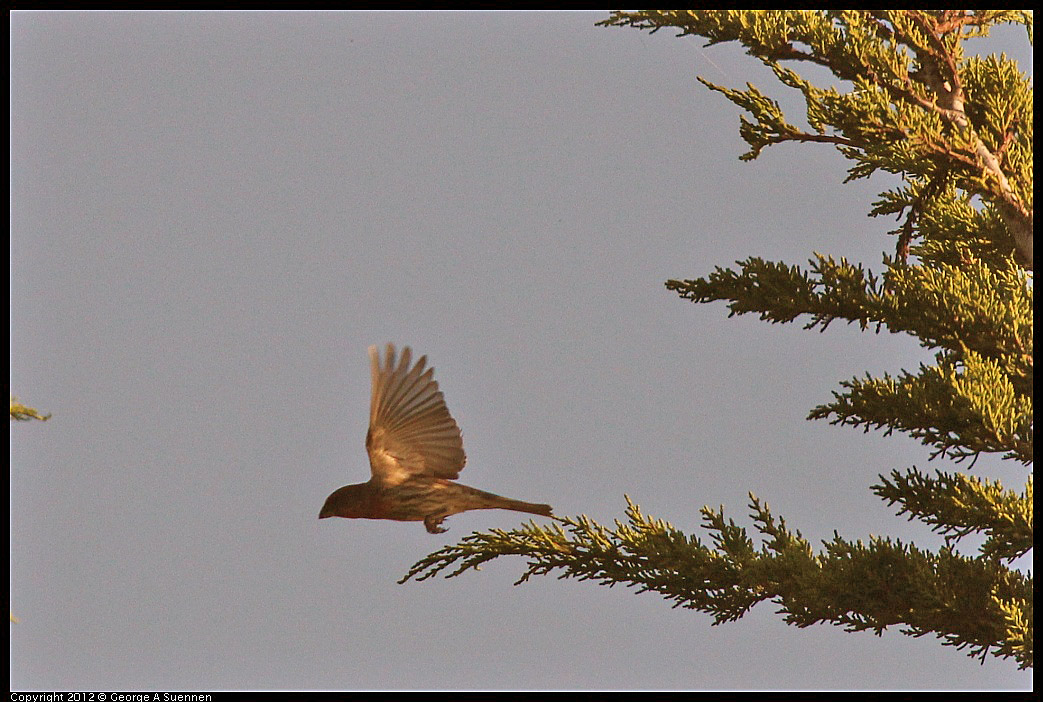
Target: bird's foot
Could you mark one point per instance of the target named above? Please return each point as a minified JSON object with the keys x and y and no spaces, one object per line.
{"x":432,"y":523}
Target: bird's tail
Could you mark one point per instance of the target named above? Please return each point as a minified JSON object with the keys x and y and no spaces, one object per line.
{"x":487,"y":500}
{"x":529,"y":507}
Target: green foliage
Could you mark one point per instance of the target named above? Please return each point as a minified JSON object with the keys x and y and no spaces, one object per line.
{"x":966,"y":602}
{"x":958,"y":132}
{"x":916,"y":106}
{"x":22,"y":413}
{"x":957,"y":505}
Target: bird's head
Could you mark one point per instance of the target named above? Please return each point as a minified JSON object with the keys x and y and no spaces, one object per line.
{"x":350,"y":501}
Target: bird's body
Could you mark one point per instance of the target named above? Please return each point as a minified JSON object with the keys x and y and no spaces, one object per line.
{"x":415,"y":453}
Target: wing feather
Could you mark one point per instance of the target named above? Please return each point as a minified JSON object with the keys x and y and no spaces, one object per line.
{"x":410,"y":429}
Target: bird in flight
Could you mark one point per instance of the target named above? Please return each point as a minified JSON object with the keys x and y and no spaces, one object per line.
{"x":415,"y":451}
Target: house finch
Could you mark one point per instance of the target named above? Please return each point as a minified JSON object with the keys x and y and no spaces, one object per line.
{"x":415,"y":451}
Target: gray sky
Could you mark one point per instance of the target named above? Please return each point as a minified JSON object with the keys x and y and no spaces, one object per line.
{"x":213,"y":216}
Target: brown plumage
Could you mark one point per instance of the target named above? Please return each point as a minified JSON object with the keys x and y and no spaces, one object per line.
{"x":415,"y":451}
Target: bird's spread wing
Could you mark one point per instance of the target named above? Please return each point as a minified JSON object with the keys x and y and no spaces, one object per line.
{"x":410,"y":429}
